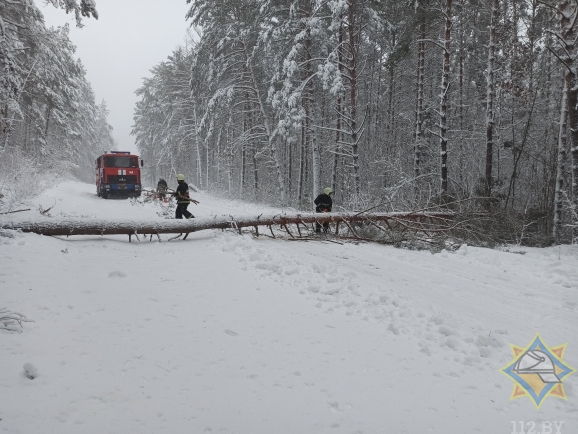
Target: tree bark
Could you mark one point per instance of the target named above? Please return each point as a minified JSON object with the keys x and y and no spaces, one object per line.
{"x":561,"y":165}
{"x":217,"y":158}
{"x":352,"y":67}
{"x":490,"y":95}
{"x":338,"y":126}
{"x":255,"y":173}
{"x":198,"y":150}
{"x":568,"y":10}
{"x":302,"y":158}
{"x":419,"y":103}
{"x":229,"y":163}
{"x":444,"y":97}
{"x":243,"y":169}
{"x":68,"y":227}
{"x":307,"y":101}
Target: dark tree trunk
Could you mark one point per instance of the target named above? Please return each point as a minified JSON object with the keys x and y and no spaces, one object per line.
{"x":444,"y":97}
{"x":491,"y":93}
{"x":352,"y":67}
{"x":419,"y":103}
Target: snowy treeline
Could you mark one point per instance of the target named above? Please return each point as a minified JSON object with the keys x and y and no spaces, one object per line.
{"x":410,"y":102}
{"x":49,"y":120}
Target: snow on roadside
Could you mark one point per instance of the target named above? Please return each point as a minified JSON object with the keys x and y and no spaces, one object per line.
{"x":78,"y":200}
{"x":231,"y":333}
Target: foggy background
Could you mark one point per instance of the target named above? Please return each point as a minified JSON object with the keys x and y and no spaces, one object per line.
{"x":119,"y":49}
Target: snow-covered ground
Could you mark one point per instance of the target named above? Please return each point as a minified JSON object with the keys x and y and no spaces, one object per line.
{"x":224,"y":333}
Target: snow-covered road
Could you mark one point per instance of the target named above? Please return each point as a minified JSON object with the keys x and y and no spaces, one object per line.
{"x":234,"y":334}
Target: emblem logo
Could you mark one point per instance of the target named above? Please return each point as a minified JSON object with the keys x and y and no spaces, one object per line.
{"x":538,"y":371}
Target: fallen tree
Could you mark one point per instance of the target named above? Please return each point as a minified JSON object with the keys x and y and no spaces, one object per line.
{"x":418,"y":221}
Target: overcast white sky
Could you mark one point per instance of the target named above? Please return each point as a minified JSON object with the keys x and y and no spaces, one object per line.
{"x":119,"y":49}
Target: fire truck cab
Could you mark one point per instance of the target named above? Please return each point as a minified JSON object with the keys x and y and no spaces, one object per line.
{"x":118,"y":173}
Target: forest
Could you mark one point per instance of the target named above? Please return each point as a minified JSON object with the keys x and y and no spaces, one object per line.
{"x":50,"y":124}
{"x":399,"y":105}
{"x":469,"y":105}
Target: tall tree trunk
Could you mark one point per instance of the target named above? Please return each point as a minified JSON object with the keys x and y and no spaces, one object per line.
{"x":254,"y":144}
{"x":307,"y":102}
{"x":4,"y":124}
{"x":218,"y":159}
{"x":419,"y":103}
{"x":243,"y":169}
{"x":352,"y":67}
{"x":462,"y":161}
{"x":568,"y":10}
{"x":490,"y":95}
{"x":561,"y":165}
{"x":316,"y":165}
{"x":302,"y":157}
{"x":198,"y":150}
{"x":207,"y":162}
{"x":47,"y":124}
{"x":289,"y":147}
{"x":369,"y":92}
{"x":444,"y":97}
{"x":338,"y":126}
{"x":229,"y":163}
{"x":390,"y":93}
{"x":269,"y":133}
{"x":337,"y":146}
{"x":255,"y":173}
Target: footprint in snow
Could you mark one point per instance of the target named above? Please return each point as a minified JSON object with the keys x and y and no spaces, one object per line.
{"x":116,"y":274}
{"x":231,"y":333}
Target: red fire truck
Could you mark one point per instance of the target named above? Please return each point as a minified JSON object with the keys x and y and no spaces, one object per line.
{"x":118,"y":174}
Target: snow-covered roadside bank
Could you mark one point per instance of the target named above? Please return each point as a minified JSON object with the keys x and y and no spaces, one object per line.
{"x":78,"y":200}
{"x":227,"y":333}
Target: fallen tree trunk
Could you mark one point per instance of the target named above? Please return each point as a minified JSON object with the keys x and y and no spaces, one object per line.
{"x":131,"y":227}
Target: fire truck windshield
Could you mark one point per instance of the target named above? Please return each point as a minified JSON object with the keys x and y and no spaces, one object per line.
{"x":120,"y":162}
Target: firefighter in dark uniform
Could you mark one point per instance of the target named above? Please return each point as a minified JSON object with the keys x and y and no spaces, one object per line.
{"x":162,"y":187}
{"x":323,"y":203}
{"x":183,"y":199}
